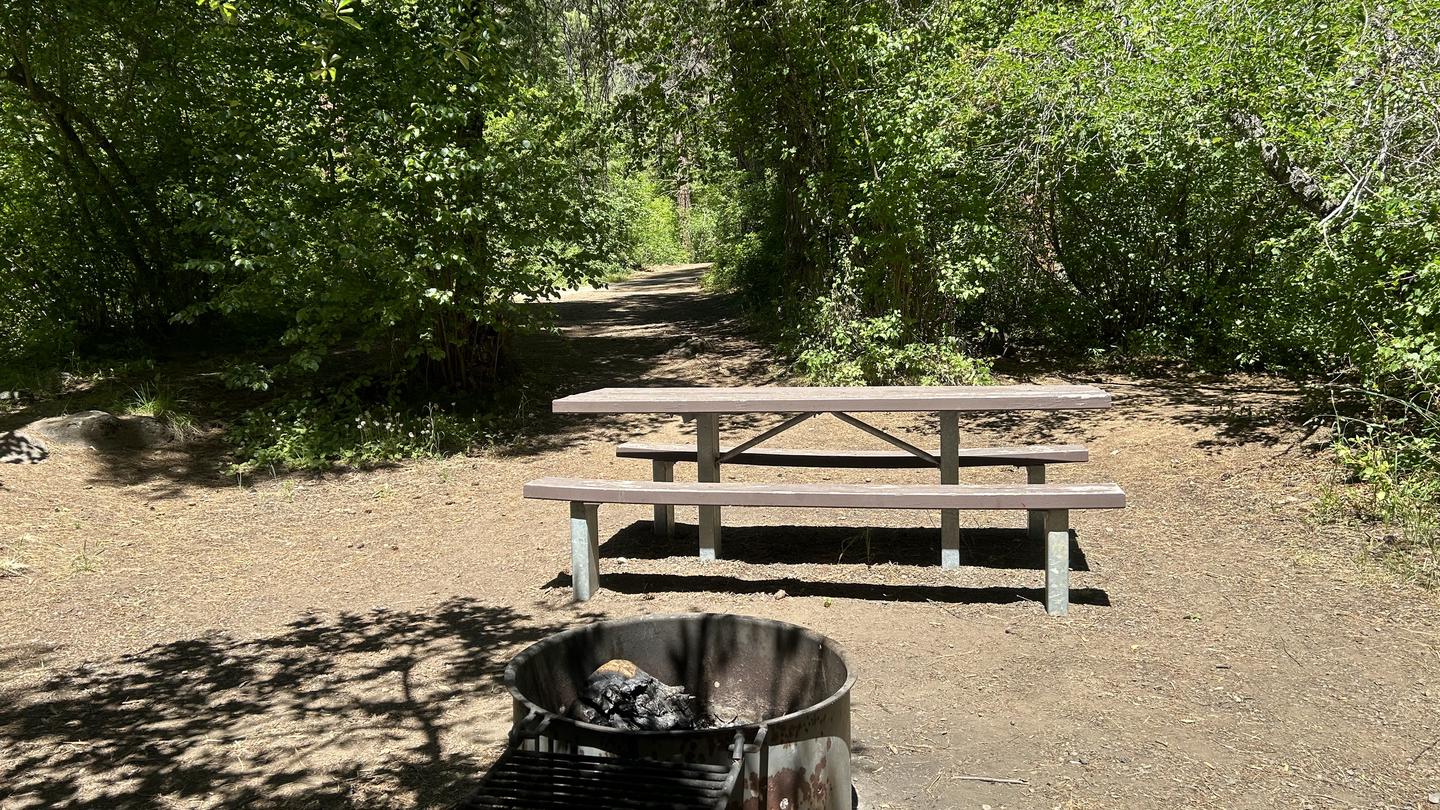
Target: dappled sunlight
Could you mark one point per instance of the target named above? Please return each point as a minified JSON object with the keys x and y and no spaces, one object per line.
{"x":377,"y":709}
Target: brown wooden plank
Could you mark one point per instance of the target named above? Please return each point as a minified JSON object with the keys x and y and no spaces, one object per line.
{"x":800,"y":399}
{"x":858,"y":496}
{"x":866,"y":459}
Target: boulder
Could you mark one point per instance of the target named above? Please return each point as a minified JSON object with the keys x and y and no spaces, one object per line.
{"x":104,"y":431}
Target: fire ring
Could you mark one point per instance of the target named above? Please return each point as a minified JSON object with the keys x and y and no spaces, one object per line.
{"x":787,"y":747}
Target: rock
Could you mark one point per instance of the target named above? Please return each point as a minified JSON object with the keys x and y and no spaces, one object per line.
{"x":1433,"y":798}
{"x":104,"y":431}
{"x":780,"y":594}
{"x":17,"y":449}
{"x":19,"y":397}
{"x":695,"y":346}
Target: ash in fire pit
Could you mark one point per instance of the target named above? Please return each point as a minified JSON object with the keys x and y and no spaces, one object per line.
{"x":621,"y":695}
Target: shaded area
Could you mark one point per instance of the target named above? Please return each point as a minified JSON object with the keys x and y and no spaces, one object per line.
{"x":195,"y":459}
{"x":951,"y":594}
{"x":169,"y":471}
{"x":269,"y":722}
{"x":1239,"y":409}
{"x":985,"y":548}
{"x":635,"y":335}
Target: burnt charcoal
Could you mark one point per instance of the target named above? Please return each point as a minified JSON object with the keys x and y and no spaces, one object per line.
{"x":621,"y":695}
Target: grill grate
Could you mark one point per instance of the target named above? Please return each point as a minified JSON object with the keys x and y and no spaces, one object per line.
{"x":544,"y":780}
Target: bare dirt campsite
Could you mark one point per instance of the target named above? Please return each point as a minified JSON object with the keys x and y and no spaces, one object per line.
{"x":172,"y":639}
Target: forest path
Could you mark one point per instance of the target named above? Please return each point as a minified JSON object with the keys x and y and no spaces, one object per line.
{"x":337,"y":641}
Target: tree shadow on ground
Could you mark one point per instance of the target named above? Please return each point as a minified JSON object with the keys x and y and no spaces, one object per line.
{"x":168,"y":471}
{"x":638,"y":583}
{"x":989,"y":548}
{"x":20,"y":450}
{"x":984,"y":548}
{"x":195,"y":457}
{"x":1237,"y":409}
{"x":360,"y":710}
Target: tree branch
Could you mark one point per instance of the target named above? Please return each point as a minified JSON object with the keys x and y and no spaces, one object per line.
{"x":1303,"y":186}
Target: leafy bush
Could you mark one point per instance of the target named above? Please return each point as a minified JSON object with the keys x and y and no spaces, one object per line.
{"x":316,"y":430}
{"x":1401,"y":492}
{"x":837,"y":346}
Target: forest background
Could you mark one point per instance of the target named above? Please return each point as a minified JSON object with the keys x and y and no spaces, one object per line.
{"x":345,"y":209}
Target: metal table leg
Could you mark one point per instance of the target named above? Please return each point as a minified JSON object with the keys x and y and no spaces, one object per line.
{"x":707,"y":446}
{"x":949,"y":474}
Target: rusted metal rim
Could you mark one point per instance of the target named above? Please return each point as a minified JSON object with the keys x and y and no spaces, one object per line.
{"x":537,"y":711}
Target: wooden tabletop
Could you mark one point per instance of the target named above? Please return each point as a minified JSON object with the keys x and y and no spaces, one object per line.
{"x":806,"y":399}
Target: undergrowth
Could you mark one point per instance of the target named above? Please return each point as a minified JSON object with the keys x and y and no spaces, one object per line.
{"x":1400,"y":495}
{"x":317,"y":431}
{"x":831,"y":342}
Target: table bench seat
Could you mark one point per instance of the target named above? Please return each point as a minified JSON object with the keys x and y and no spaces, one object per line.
{"x":854,"y":496}
{"x":1027,"y":456}
{"x":1033,"y":458}
{"x":1053,"y":500}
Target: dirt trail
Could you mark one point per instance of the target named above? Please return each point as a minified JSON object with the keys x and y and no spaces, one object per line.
{"x":337,"y":641}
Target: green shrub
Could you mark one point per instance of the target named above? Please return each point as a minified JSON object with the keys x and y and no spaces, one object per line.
{"x":317,"y":430}
{"x":1402,"y":492}
{"x":878,"y":350}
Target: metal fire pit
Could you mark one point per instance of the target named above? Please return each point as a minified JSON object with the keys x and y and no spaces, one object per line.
{"x":788,"y":750}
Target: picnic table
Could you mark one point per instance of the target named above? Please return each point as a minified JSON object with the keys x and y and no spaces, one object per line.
{"x":706,"y":405}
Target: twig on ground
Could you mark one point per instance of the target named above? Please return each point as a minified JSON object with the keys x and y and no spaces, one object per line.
{"x":1291,"y":655}
{"x":945,"y":608}
{"x":999,"y":780}
{"x":1423,"y":751}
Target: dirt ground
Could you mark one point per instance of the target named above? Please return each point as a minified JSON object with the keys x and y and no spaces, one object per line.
{"x":181,"y":641}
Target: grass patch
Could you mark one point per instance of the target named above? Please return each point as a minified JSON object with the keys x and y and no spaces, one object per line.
{"x":88,"y":560}
{"x":163,"y":402}
{"x":13,"y":567}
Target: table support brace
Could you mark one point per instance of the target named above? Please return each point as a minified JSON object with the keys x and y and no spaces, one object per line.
{"x":1036,"y":475}
{"x":662,"y":470}
{"x":584,"y":548}
{"x":898,"y":442}
{"x":769,"y":434}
